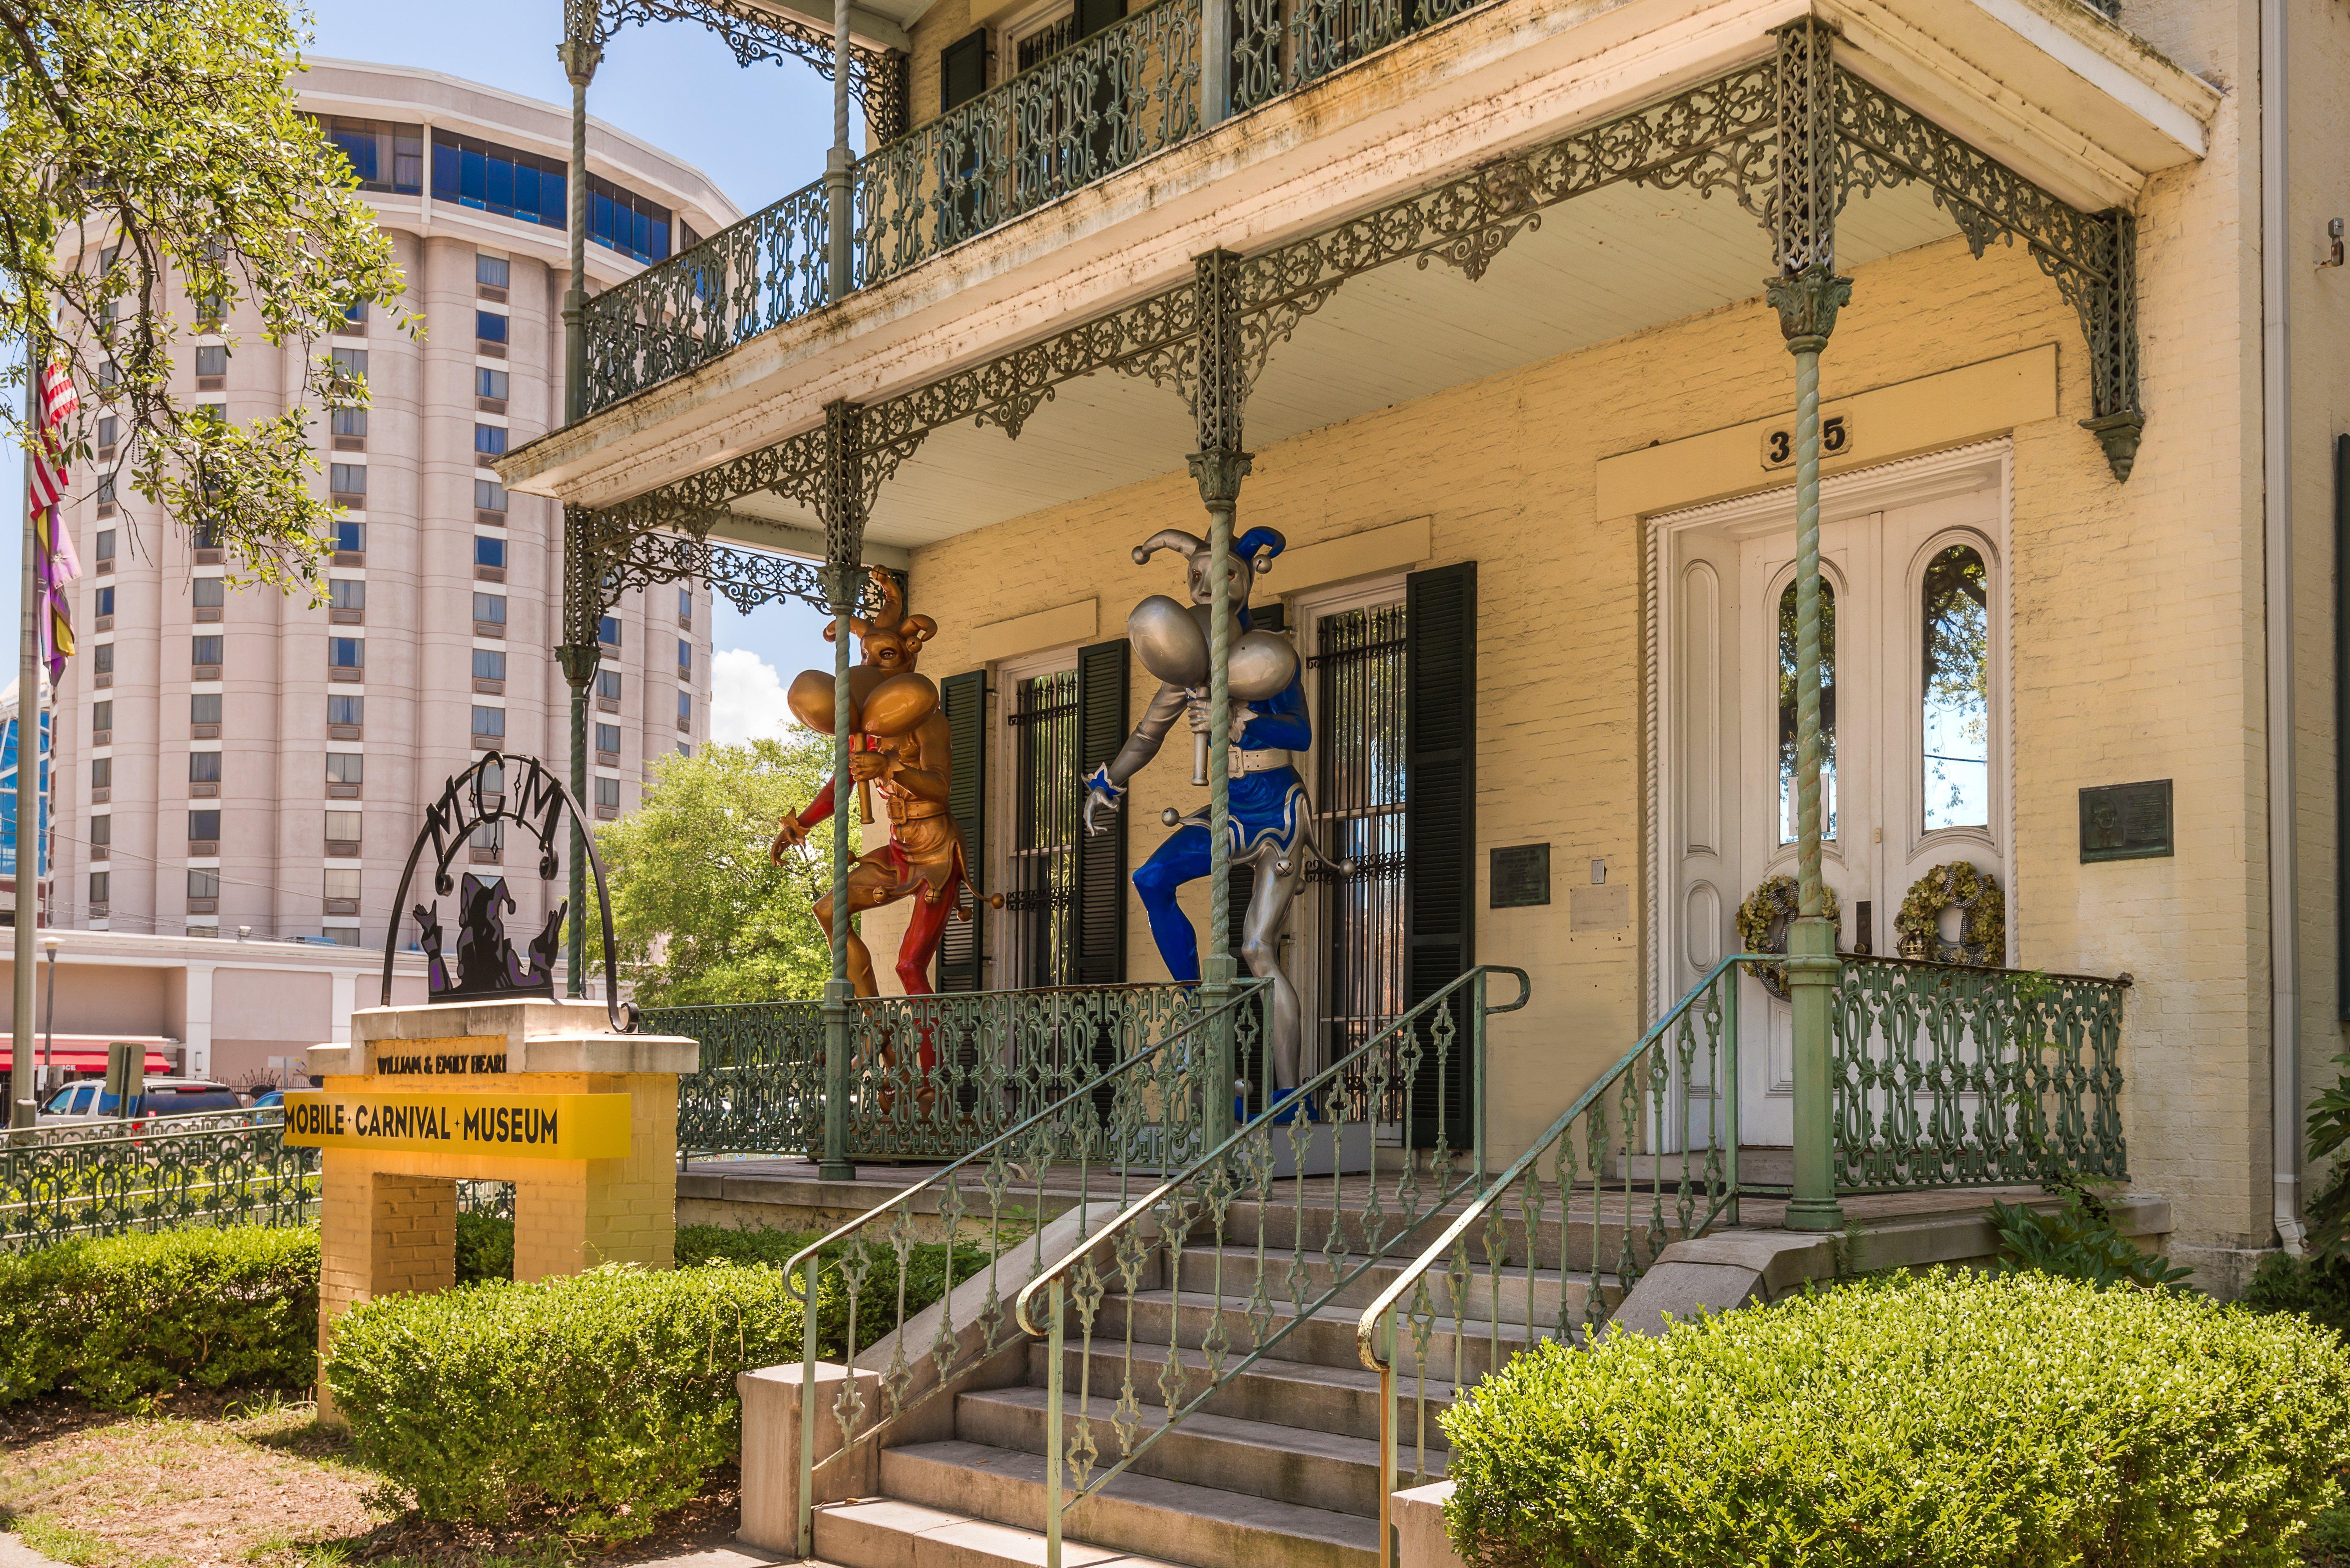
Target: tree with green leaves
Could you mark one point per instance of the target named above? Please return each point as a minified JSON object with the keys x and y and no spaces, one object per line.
{"x":700,"y":915}
{"x":156,"y":174}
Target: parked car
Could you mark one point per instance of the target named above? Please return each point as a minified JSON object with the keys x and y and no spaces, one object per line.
{"x":89,"y":1101}
{"x":269,"y":1100}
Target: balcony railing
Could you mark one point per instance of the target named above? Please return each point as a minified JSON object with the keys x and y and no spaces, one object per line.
{"x":1106,"y":103}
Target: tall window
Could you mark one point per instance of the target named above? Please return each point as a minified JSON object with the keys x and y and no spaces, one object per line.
{"x":489,"y":441}
{"x":347,"y":594}
{"x":346,"y":767}
{"x":203,"y":827}
{"x":346,"y":710}
{"x":494,"y":271}
{"x":348,"y":423}
{"x":489,"y":724}
{"x":1042,"y":897}
{"x":347,"y":652}
{"x":608,"y":739}
{"x":203,"y":767}
{"x":1788,"y":831}
{"x":347,"y":479}
{"x":350,"y":537}
{"x":490,"y":608}
{"x":204,"y":707}
{"x":608,"y":685}
{"x":489,"y":664}
{"x":1360,"y":672}
{"x":102,"y":890}
{"x":209,"y":592}
{"x":608,"y":631}
{"x":607,"y":795}
{"x":205,"y":650}
{"x":384,"y":155}
{"x":1955,"y":677}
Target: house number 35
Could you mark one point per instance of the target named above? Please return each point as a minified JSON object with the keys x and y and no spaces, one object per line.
{"x":1779,"y":445}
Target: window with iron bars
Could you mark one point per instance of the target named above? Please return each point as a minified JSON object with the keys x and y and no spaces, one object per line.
{"x":1040,"y":895}
{"x":1359,"y":801}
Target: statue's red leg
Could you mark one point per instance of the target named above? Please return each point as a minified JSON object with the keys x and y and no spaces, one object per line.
{"x":924,"y":933}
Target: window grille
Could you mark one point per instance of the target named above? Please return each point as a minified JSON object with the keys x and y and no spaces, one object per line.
{"x":1359,"y":818}
{"x":1041,"y":897}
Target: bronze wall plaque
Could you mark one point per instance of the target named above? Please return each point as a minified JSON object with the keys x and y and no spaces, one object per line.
{"x":1520,"y":877}
{"x":2126,"y":822}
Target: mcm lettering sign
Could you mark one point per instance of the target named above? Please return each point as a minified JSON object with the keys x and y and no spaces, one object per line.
{"x":497,"y":789}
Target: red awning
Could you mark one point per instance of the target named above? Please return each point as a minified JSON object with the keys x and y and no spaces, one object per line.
{"x":87,"y":1052}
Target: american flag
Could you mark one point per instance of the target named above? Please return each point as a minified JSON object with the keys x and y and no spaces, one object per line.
{"x":54,"y":561}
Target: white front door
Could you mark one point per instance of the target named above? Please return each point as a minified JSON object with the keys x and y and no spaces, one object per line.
{"x":1911,"y":707}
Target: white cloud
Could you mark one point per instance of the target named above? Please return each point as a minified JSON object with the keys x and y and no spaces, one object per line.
{"x":746,"y":699}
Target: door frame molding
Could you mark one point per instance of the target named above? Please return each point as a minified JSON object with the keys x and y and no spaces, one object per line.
{"x":1987,"y":464}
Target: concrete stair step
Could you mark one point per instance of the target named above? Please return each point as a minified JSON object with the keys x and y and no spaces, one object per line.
{"x":1570,"y":1245}
{"x":1232,"y":1271}
{"x":883,"y":1533}
{"x":1323,"y":1338}
{"x":1290,"y":1464}
{"x":1341,"y":1400}
{"x":1171,"y":1522}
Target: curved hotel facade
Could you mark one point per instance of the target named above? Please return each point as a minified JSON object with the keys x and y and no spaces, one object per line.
{"x":235,"y":763}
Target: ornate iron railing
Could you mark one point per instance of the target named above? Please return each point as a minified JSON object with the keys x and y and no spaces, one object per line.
{"x":1115,"y":1125}
{"x":1231,"y":1232}
{"x":930,"y":1078}
{"x":101,"y":1178}
{"x":1107,"y":101}
{"x":747,"y":278}
{"x":1610,"y":1201}
{"x":1951,"y":1076}
{"x":1280,"y":46}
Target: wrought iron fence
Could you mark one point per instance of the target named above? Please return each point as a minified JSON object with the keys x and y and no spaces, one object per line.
{"x":1952,"y":1076}
{"x":930,"y":1078}
{"x":1116,"y":1126}
{"x":1235,"y":1226}
{"x":748,"y":278}
{"x":1107,"y":101}
{"x":101,"y":1178}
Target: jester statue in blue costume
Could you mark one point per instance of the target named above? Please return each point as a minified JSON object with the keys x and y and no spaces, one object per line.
{"x":1269,"y":820}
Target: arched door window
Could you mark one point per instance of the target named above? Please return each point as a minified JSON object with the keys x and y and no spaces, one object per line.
{"x":1788,"y":831}
{"x":1956,"y":687}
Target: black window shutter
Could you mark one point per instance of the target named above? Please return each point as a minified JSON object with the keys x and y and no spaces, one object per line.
{"x":1440,"y":819}
{"x":963,"y":70}
{"x":964,"y":698}
{"x":1093,"y":16}
{"x":1103,"y":684}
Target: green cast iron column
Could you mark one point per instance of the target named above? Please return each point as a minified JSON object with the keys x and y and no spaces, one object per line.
{"x":580,"y":53}
{"x":1807,"y":306}
{"x":844,"y":544}
{"x":1807,"y":292}
{"x":1219,"y":466}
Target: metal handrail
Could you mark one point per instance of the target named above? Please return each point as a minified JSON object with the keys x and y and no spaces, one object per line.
{"x":1533,"y":1156}
{"x":1052,"y":1282}
{"x":800,"y":1271}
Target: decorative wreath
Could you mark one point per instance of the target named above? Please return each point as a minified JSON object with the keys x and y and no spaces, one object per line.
{"x":1762,"y":926}
{"x":1983,"y":930}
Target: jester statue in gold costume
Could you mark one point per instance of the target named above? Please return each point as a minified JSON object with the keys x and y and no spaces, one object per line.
{"x":900,"y":749}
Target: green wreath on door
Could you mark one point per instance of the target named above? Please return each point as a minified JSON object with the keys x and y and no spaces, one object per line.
{"x":1763,"y":923}
{"x":1982,"y":911}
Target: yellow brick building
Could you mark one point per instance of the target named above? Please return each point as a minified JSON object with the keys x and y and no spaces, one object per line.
{"x":1495,"y":279}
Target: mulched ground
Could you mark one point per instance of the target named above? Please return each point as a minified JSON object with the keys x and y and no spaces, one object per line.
{"x":215,"y":1482}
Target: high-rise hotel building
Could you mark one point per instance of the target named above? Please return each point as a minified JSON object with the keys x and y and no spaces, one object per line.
{"x":235,"y":760}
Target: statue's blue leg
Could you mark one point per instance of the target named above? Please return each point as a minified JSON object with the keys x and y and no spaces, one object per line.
{"x":1182,"y":859}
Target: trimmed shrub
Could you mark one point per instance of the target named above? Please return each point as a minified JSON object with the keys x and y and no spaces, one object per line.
{"x":1954,"y":1420}
{"x":2077,"y":1242}
{"x":484,"y":1247}
{"x":608,"y":1396}
{"x":2316,"y":1287}
{"x":123,"y":1319}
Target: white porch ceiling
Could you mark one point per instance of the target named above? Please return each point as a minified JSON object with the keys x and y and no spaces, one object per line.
{"x":1600,"y":267}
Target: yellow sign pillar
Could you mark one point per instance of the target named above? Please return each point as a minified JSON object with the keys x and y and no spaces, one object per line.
{"x":538,"y":1093}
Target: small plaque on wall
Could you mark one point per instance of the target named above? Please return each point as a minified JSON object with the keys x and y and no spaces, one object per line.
{"x":1520,"y":877}
{"x":2126,"y":822}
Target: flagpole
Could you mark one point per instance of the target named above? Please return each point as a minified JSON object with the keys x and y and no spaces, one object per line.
{"x":23,"y":1110}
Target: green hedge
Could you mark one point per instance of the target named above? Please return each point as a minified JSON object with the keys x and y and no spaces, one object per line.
{"x":123,"y":1319}
{"x":2318,"y":1288}
{"x":1950,"y":1420}
{"x":608,"y":1396}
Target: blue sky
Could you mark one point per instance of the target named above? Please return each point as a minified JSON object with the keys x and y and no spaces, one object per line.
{"x":759,"y":131}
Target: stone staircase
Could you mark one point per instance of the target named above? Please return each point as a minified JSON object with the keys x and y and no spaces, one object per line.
{"x":1282,"y":1464}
